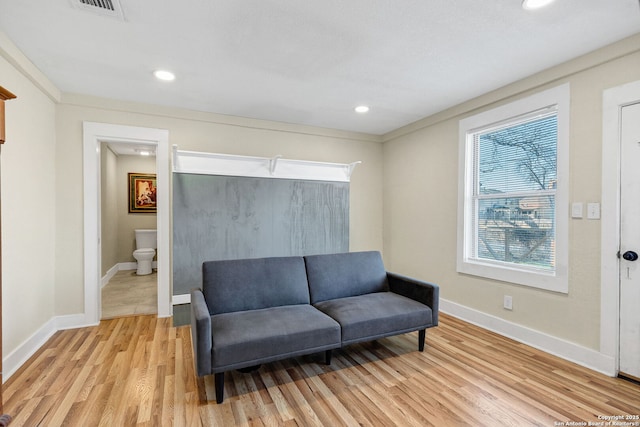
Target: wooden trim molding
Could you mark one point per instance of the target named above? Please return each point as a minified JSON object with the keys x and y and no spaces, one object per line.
{"x":4,"y":95}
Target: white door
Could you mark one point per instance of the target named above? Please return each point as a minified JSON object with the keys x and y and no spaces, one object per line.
{"x":630,"y":243}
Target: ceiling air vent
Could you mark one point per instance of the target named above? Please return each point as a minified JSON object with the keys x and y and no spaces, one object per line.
{"x":109,"y":8}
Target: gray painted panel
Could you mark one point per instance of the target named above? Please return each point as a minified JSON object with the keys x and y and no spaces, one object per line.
{"x":221,"y":217}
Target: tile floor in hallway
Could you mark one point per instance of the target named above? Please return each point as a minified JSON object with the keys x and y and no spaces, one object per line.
{"x":128,"y":294}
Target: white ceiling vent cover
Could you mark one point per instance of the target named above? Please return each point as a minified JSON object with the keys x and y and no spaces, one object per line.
{"x":111,"y":8}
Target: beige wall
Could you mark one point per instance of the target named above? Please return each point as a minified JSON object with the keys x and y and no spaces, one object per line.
{"x":212,"y":133}
{"x":128,"y":222}
{"x":421,"y":188}
{"x":29,"y":201}
{"x":109,"y":208}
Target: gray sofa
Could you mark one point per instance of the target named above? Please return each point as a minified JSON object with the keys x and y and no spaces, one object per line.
{"x":254,"y":311}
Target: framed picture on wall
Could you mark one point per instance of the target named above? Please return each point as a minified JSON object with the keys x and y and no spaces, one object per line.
{"x":142,"y":192}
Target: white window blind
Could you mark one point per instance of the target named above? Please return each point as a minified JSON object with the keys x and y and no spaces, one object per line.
{"x":513,"y":192}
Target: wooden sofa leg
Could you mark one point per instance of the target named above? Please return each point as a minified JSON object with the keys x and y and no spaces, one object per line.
{"x":421,"y":336}
{"x":219,"y":379}
{"x":327,"y":357}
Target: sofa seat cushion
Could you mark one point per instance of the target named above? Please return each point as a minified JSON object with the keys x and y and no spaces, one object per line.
{"x":250,"y":337}
{"x":371,"y":316}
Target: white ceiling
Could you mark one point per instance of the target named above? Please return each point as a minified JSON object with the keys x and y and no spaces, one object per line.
{"x":132,"y":149}
{"x":309,"y":62}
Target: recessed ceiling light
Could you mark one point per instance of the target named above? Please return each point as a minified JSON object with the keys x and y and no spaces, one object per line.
{"x":144,"y":151}
{"x":535,"y":4}
{"x":361,"y":109}
{"x":164,"y":75}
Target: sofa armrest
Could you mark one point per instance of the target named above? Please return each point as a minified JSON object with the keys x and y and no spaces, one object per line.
{"x":201,"y":338}
{"x":417,"y":290}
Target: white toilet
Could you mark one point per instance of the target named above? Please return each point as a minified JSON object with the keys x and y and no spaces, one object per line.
{"x":146,"y":244}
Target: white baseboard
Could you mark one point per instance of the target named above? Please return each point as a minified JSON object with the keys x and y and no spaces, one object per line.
{"x":133,"y":265}
{"x":567,"y":350}
{"x":572,"y":352}
{"x":31,"y":345}
{"x":110,"y":273}
{"x":13,"y":361}
{"x":72,"y":321}
{"x":181,"y":299}
{"x":122,"y":266}
{"x":18,"y":357}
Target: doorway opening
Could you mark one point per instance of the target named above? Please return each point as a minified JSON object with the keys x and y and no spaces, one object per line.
{"x":94,"y":134}
{"x":125,"y":168}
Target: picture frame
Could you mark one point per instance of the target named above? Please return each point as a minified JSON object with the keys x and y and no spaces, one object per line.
{"x":142,"y":193}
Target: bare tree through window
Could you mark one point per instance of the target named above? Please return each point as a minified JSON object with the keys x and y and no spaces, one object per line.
{"x":516,"y":181}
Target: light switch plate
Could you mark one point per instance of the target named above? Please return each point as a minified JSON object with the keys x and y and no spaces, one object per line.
{"x":593,"y":210}
{"x":576,"y":210}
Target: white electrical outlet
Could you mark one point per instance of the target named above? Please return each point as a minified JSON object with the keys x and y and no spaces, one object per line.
{"x":508,"y":302}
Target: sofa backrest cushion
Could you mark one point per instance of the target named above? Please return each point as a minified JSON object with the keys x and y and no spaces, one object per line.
{"x":252,"y":284}
{"x":345,"y":275}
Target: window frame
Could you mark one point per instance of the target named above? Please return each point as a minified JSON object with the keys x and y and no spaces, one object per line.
{"x":558,"y":99}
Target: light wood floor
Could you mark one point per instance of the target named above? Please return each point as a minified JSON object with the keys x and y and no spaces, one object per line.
{"x":139,"y":371}
{"x":128,"y":294}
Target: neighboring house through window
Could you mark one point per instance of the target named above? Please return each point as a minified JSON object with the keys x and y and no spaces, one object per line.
{"x":513,"y":201}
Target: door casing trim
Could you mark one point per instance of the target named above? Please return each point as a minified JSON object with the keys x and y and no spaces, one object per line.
{"x":614,"y":100}
{"x":93,"y":135}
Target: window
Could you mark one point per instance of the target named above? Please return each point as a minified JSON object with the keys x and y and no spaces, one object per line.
{"x":513,"y":205}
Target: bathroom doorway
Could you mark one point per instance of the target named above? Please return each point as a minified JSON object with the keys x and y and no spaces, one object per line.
{"x":94,"y":134}
{"x":124,"y":291}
